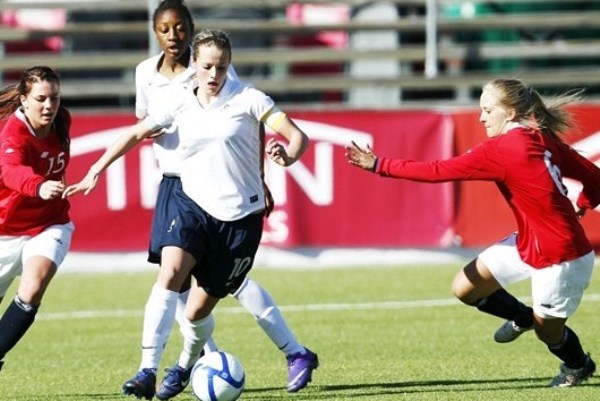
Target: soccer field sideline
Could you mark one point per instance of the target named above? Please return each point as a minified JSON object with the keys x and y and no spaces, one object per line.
{"x":326,"y":307}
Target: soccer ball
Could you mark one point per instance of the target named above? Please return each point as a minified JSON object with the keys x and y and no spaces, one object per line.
{"x":217,"y":376}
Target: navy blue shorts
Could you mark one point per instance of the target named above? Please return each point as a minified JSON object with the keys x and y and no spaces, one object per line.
{"x":224,"y":250}
{"x":163,"y":215}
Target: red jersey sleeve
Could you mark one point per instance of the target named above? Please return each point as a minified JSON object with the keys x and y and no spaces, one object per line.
{"x":16,"y":174}
{"x":577,"y":167}
{"x":483,"y":162}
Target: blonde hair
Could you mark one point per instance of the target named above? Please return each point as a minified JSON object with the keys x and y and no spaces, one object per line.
{"x":211,"y":37}
{"x":550,"y":115}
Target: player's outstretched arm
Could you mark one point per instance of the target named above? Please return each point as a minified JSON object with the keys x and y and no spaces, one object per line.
{"x":86,"y":185}
{"x":127,"y":141}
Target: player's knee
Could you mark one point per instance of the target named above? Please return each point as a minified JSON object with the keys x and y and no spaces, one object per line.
{"x":460,"y":288}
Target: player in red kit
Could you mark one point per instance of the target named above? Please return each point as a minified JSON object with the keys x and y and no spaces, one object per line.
{"x":526,"y":158}
{"x":35,"y":229}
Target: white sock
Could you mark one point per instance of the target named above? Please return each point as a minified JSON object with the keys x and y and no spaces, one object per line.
{"x":260,"y":304}
{"x":159,"y":316}
{"x":210,"y":345}
{"x":195,"y":334}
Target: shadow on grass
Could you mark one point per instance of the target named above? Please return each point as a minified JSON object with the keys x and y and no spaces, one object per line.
{"x":367,"y":390}
{"x":75,"y":397}
{"x":361,"y":390}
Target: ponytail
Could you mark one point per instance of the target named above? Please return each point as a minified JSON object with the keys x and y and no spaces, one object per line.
{"x":9,"y":100}
{"x":549,"y":116}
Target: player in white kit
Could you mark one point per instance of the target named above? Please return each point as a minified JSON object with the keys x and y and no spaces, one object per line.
{"x":155,"y":96}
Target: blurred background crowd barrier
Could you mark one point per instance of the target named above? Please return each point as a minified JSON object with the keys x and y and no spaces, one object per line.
{"x":354,"y":53}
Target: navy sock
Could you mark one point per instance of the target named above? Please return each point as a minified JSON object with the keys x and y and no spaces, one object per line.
{"x":504,"y":305}
{"x":569,"y":350}
{"x":15,"y":322}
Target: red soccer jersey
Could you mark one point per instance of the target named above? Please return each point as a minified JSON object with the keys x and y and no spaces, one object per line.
{"x":26,"y":162}
{"x":527,"y":167}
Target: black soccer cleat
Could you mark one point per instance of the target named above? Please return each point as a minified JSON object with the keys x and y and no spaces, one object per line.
{"x":143,"y":385}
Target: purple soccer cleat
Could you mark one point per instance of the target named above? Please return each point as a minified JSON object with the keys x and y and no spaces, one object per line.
{"x":300,"y":368}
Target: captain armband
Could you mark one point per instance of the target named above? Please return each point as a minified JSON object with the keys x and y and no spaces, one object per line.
{"x":275,"y":118}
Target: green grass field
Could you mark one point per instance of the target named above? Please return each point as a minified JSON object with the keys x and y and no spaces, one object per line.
{"x":382,"y":333}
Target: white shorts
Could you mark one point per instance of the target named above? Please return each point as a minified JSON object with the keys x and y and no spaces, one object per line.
{"x":556,"y":290}
{"x":52,"y":243}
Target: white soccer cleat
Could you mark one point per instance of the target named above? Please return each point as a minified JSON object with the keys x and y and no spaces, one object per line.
{"x":509,"y":332}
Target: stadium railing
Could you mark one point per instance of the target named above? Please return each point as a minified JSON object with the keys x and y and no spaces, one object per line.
{"x":571,"y":62}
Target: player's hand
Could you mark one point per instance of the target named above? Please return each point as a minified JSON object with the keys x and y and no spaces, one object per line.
{"x":277,"y":153}
{"x":51,"y":189}
{"x":363,"y":158}
{"x":86,"y":185}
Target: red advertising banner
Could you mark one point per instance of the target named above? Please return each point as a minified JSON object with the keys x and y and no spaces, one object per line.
{"x":482,"y":215}
{"x":117,"y":215}
{"x":329,"y":203}
{"x":321,"y":201}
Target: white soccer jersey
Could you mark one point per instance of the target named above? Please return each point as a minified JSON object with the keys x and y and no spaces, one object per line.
{"x":220,"y":149}
{"x":155,"y":92}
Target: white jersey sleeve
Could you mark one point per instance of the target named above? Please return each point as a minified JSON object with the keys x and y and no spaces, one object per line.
{"x":260,"y":104}
{"x":144,"y":72}
{"x":141,"y":98}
